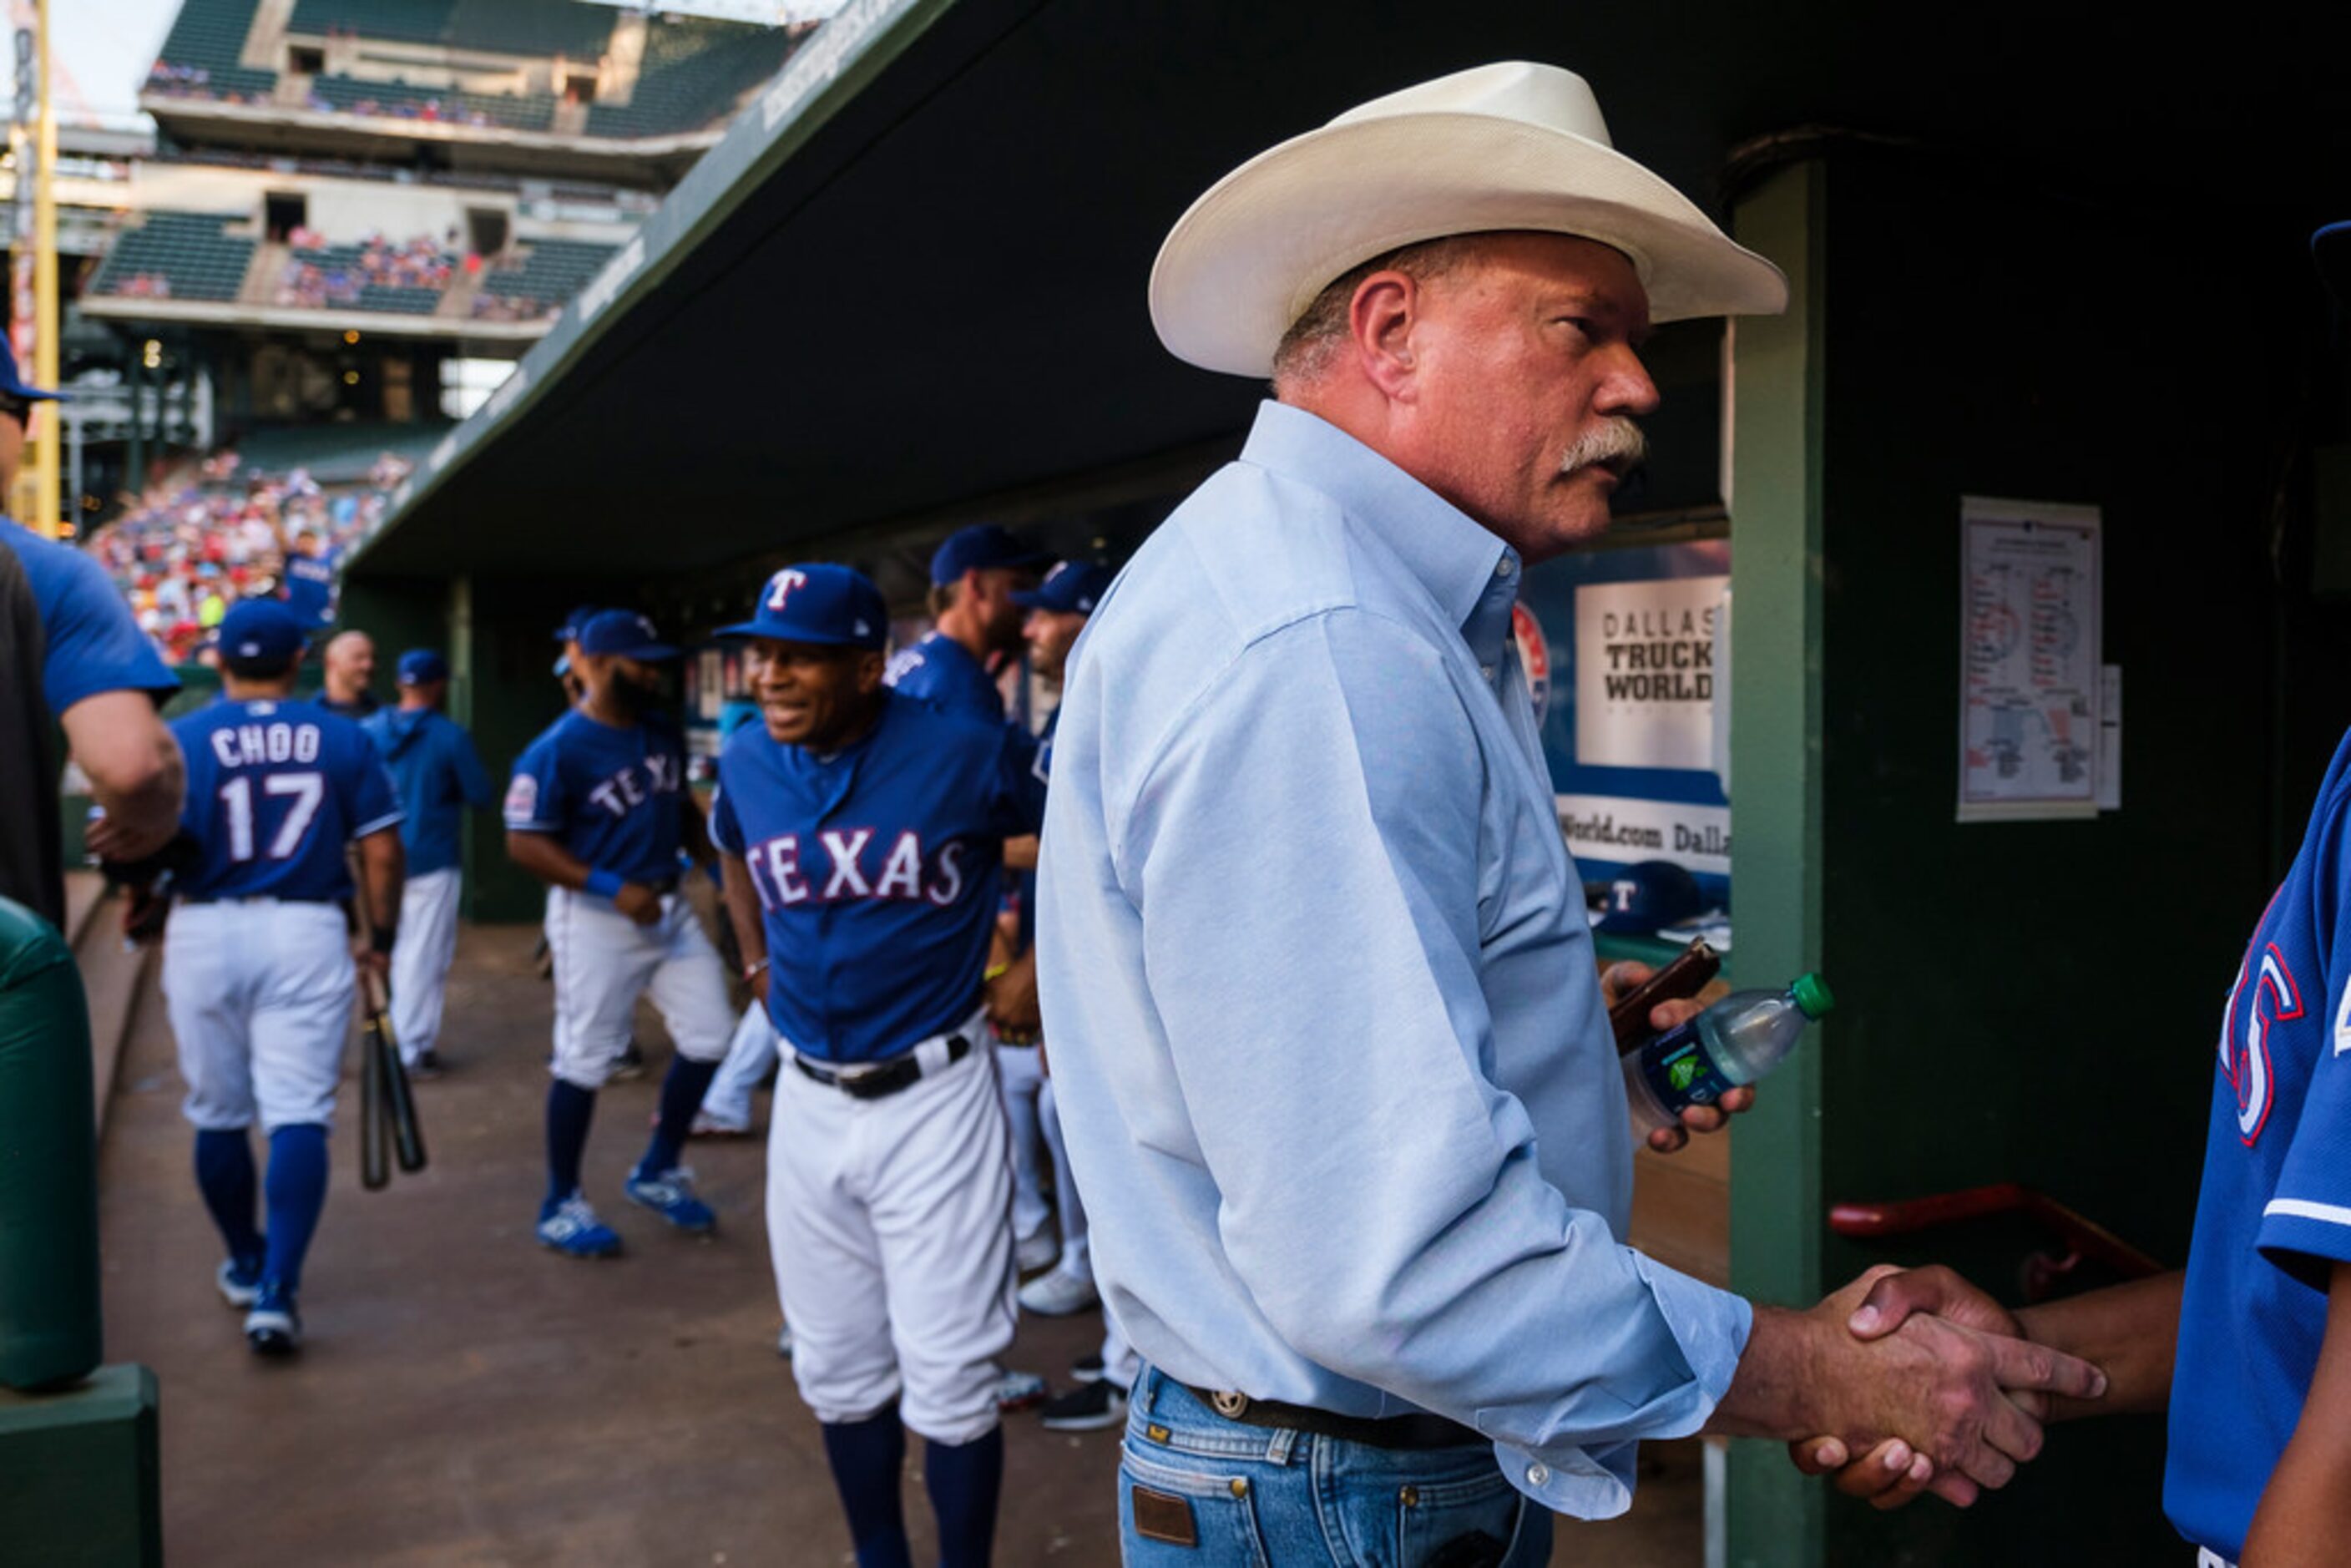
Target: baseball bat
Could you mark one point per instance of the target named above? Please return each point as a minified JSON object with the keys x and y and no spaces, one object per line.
{"x":375,"y":1168}
{"x":1685,"y":976}
{"x":400,"y":1098}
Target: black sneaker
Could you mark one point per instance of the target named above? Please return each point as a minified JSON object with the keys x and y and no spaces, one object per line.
{"x":1087,"y":1409}
{"x":426,"y":1067}
{"x":631,"y":1065}
{"x":1087,"y":1368}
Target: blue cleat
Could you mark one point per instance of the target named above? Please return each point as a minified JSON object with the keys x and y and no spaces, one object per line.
{"x":273,"y":1327}
{"x":239,"y":1283}
{"x":572,"y":1227}
{"x":671,"y":1196}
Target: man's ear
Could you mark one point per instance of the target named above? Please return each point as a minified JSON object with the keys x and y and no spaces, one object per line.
{"x":1381,"y":320}
{"x":869,"y":671}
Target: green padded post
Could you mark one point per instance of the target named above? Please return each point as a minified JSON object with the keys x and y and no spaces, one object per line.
{"x":80,"y":1474}
{"x":50,"y":1328}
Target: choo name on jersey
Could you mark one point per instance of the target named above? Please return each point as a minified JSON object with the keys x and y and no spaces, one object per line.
{"x":255,"y":745}
{"x":626,"y":790}
{"x":841,"y":864}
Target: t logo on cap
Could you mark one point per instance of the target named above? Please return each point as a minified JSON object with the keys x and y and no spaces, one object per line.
{"x":780,"y":586}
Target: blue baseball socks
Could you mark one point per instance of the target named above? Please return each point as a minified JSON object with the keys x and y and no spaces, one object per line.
{"x":681,"y":1097}
{"x":866,"y":1457}
{"x":224,"y":1175}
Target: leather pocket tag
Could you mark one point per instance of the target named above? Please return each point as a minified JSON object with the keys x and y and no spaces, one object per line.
{"x":1159,"y":1517}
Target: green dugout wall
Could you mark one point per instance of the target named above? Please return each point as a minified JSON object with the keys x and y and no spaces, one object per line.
{"x":2024,"y":1002}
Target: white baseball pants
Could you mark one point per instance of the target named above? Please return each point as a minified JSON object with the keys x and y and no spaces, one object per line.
{"x":1023,"y":1078}
{"x":604,"y":961}
{"x":260,"y":998}
{"x":887,"y":1222}
{"x":427,"y":945}
{"x":749,"y":1055}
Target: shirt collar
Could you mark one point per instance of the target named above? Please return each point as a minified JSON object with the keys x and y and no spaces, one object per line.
{"x":1459,"y":561}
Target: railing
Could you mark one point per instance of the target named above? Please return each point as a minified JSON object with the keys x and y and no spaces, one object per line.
{"x":2084,"y":1239}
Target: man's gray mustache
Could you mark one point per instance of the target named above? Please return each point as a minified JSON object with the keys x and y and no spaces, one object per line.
{"x":1617,"y":440}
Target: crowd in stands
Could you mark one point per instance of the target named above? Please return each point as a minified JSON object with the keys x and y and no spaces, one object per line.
{"x":513,"y":306}
{"x":338,"y":278}
{"x":193,"y":547}
{"x":406,"y":105}
{"x":169,"y":80}
{"x":143,"y":286}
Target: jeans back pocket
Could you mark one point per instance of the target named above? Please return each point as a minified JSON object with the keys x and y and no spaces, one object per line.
{"x":1200,"y":1515}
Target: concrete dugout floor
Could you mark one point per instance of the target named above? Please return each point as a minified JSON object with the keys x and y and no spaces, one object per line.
{"x":465,"y":1397}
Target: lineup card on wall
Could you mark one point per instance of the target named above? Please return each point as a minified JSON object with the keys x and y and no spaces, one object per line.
{"x":2031,"y":687}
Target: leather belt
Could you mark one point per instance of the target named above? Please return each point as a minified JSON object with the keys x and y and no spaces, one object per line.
{"x":1417,"y":1430}
{"x":883,"y":1079}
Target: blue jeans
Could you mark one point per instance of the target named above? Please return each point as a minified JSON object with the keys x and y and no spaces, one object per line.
{"x":1196,"y":1490}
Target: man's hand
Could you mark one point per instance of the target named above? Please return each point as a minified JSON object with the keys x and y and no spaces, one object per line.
{"x":1012,"y":1001}
{"x":372,"y":964}
{"x":1893,"y":1475}
{"x":637,"y":902}
{"x":1938,"y":1386}
{"x":1619,"y":978}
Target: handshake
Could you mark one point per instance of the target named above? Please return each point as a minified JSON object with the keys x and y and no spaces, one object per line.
{"x":1904,"y":1382}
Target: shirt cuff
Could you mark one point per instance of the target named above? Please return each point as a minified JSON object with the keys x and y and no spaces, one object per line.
{"x":1711,"y":1327}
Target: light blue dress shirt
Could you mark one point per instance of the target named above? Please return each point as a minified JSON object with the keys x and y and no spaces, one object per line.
{"x":1333,"y":1067}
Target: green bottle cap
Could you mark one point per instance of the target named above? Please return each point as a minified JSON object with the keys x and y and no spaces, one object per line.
{"x":1812,"y":994}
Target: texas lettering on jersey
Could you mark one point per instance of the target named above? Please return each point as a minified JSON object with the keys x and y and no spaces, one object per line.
{"x":845,"y":864}
{"x":623,"y":790}
{"x":2275,"y":998}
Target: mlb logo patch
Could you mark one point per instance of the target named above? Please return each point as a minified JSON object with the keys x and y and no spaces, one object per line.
{"x":522,"y":797}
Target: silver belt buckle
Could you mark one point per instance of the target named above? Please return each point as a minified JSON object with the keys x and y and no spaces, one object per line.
{"x":1230,"y":1405}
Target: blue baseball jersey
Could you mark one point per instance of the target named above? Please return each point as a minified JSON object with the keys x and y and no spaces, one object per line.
{"x":940,"y":671}
{"x":432,"y":762}
{"x":612,"y":796}
{"x":877,"y":871}
{"x":2274,"y":1212}
{"x":89,"y":642}
{"x":275,"y":789}
{"x":309,"y":589}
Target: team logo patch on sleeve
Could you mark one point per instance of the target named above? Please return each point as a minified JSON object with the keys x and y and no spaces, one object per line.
{"x":522,"y":799}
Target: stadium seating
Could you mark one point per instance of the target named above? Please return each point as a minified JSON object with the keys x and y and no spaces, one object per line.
{"x":532,"y":28}
{"x":326,"y":277}
{"x":353,"y":95}
{"x":200,"y":53}
{"x":694,"y":71}
{"x":554,"y":271}
{"x":187,"y":249}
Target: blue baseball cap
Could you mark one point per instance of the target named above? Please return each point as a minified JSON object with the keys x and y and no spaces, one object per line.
{"x":624,"y":633}
{"x":568,"y":632}
{"x":422,"y":667}
{"x":818,"y":602}
{"x":1074,"y":585}
{"x":978,"y":548}
{"x":1648,"y":895}
{"x":263,"y":630}
{"x":12,"y":384}
{"x":2330,"y":248}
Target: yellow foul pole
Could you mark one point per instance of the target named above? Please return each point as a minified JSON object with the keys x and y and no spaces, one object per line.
{"x":49,"y":448}
{"x":33,"y":280}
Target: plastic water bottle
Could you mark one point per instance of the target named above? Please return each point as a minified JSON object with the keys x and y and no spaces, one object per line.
{"x":1735,"y":1041}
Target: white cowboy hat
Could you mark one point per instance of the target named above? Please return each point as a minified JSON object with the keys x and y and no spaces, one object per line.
{"x":1508,"y":146}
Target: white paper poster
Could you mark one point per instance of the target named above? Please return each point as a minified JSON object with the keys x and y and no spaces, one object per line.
{"x":1619,"y":828}
{"x":1645,"y":673}
{"x":2030,"y":681}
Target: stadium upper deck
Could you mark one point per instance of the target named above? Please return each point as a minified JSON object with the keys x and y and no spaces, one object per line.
{"x":545,"y":85}
{"x":453,"y":168}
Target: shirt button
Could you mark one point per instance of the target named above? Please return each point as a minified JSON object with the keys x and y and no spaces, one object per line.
{"x":1537,"y":1474}
{"x":1504,"y":567}
{"x":1488,"y":670}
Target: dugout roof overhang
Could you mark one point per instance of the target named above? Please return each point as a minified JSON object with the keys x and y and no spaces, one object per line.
{"x":907,"y":286}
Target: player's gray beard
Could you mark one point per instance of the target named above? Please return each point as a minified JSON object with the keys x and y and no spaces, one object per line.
{"x":1615,"y":436}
